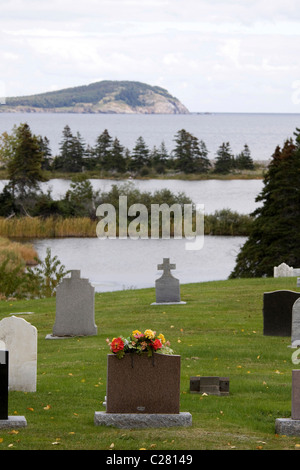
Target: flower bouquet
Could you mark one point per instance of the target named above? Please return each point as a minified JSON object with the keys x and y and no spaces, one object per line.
{"x":139,"y":343}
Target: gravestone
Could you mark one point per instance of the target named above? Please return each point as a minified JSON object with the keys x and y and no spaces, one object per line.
{"x":167,"y":287}
{"x":296,"y":324}
{"x":3,"y":384}
{"x":291,"y":426}
{"x":20,"y":338}
{"x":133,"y":403}
{"x":210,"y":385}
{"x":277,"y":312}
{"x":5,"y":420}
{"x":283,"y":270}
{"x":75,"y":308}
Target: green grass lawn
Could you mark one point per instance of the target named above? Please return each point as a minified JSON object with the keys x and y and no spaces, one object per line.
{"x":219,"y":332}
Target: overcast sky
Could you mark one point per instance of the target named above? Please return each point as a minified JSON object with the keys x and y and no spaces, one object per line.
{"x":213,"y":55}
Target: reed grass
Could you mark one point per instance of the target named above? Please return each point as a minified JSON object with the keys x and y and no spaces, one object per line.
{"x":22,"y":251}
{"x":50,"y":227}
{"x":224,"y":222}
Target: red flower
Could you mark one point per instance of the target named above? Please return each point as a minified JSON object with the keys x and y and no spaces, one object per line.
{"x":156,"y":344}
{"x":117,"y":344}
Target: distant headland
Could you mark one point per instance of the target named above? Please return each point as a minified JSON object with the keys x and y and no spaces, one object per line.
{"x":109,"y":97}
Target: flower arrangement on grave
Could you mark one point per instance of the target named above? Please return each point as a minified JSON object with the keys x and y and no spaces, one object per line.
{"x":139,"y":343}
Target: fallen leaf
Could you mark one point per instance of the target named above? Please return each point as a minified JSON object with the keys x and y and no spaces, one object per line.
{"x":47,"y":407}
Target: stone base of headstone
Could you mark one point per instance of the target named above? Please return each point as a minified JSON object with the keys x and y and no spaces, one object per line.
{"x":168,"y":303}
{"x":287,"y":426}
{"x":139,"y":420}
{"x":13,"y":422}
{"x":58,"y":337}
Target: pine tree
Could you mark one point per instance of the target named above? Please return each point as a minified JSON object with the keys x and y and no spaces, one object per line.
{"x":24,"y":167}
{"x":102,"y":150}
{"x":243,"y":160}
{"x":202,"y":162}
{"x":140,"y":155}
{"x":224,"y":160}
{"x":117,"y":160}
{"x":159,"y":158}
{"x":183,"y":151}
{"x":275,"y":232}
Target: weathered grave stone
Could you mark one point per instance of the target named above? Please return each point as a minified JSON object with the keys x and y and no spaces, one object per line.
{"x":75,"y":308}
{"x":129,"y":403}
{"x":7,"y":421}
{"x":283,"y":270}
{"x":210,"y":385}
{"x":291,"y":426}
{"x":296,"y":324}
{"x":167,"y":287}
{"x":20,"y":339}
{"x":277,"y":312}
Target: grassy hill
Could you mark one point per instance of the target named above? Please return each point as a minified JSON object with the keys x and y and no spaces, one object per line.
{"x":100,"y":97}
{"x":219,"y":332}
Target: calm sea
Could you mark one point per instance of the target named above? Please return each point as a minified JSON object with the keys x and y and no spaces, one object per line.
{"x":262,"y":132}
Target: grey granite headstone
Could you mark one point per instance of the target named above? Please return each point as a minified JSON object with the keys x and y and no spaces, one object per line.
{"x":296,"y":324}
{"x":167,"y":287}
{"x":277,"y":312}
{"x":291,"y":426}
{"x":75,"y":308}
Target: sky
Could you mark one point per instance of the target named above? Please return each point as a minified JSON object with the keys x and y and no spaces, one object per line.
{"x":213,"y":55}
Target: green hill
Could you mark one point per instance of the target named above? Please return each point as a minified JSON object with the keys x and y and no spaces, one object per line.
{"x":100,"y":97}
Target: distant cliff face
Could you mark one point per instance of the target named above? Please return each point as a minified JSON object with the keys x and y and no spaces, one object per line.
{"x":102,"y":97}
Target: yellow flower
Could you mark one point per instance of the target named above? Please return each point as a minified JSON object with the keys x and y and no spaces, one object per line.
{"x":136,"y":332}
{"x":149,"y":334}
{"x":162,"y":338}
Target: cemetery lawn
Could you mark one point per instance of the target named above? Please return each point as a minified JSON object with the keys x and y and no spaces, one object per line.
{"x":219,"y":332}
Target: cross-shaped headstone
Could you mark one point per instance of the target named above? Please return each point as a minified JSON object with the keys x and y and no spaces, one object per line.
{"x":166,"y":266}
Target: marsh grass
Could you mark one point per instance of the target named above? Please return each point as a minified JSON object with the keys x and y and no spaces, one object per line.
{"x":219,"y":332}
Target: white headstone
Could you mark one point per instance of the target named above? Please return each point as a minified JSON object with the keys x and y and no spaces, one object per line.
{"x":20,"y":338}
{"x":283,"y":270}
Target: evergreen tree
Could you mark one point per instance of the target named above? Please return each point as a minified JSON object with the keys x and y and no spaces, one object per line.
{"x":183,"y":152}
{"x":117,"y":161}
{"x":72,"y":152}
{"x":140,"y":156}
{"x":224,"y":160}
{"x":102,"y":150}
{"x":202,"y":163}
{"x":275,"y":233}
{"x":243,"y":160}
{"x":159,"y":158}
{"x":190,"y":154}
{"x":46,"y":152}
{"x":24,"y":167}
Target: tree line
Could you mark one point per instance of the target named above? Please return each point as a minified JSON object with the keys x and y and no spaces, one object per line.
{"x":190,"y":154}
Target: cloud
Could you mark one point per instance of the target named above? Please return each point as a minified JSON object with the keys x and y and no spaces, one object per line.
{"x":219,"y":56}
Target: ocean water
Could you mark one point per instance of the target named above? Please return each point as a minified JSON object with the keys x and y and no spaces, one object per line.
{"x":261,"y":132}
